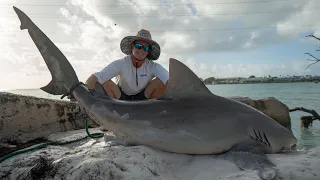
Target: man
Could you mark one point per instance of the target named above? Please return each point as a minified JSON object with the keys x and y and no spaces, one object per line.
{"x":135,"y":71}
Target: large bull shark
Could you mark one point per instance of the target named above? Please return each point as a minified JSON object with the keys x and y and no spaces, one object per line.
{"x":187,"y":119}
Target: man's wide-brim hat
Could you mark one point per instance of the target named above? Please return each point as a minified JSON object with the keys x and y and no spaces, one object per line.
{"x":145,"y":35}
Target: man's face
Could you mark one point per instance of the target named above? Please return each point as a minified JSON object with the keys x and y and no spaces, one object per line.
{"x":139,"y":51}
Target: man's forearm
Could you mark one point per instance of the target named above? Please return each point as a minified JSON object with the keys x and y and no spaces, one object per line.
{"x":91,"y":81}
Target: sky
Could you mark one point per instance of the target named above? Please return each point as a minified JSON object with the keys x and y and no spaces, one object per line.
{"x":214,"y":38}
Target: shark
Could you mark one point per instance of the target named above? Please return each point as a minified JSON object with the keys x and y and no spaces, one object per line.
{"x":187,"y":119}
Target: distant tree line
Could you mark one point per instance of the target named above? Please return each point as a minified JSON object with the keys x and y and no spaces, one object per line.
{"x":209,"y":80}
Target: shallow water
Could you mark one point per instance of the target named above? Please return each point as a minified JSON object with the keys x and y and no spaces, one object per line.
{"x":292,"y":94}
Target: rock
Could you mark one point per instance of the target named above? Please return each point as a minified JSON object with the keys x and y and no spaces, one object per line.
{"x":97,"y":159}
{"x":270,"y":106}
{"x":25,"y":118}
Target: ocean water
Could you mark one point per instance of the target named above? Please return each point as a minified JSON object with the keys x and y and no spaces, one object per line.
{"x":292,"y":94}
{"x":305,"y":95}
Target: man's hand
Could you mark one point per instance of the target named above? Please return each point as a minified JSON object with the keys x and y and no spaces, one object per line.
{"x":72,"y":99}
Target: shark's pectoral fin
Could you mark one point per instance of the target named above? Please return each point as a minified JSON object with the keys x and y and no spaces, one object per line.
{"x":99,"y":92}
{"x":250,"y":155}
{"x":183,"y":83}
{"x":115,"y":141}
{"x":98,"y":88}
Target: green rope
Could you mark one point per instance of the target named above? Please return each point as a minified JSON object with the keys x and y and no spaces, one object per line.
{"x":94,"y":135}
{"x":39,"y":146}
{"x":42,"y":145}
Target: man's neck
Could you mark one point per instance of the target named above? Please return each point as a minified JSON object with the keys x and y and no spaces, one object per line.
{"x":136,"y":63}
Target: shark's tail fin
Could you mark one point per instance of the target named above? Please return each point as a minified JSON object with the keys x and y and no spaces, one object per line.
{"x":63,"y":75}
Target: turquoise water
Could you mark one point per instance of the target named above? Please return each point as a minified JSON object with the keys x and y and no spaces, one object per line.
{"x":292,"y":94}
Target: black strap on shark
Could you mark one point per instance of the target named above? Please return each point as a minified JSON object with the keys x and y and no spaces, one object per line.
{"x":69,"y":94}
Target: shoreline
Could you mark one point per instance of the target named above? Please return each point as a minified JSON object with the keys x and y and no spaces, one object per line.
{"x":264,"y":83}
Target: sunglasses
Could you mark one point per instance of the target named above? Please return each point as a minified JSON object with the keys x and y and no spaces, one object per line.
{"x":140,"y":46}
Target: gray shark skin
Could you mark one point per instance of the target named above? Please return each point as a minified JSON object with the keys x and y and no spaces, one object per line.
{"x":188,"y":119}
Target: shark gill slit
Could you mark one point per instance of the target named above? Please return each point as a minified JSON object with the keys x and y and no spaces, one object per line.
{"x":257,"y":136}
{"x":260,"y":135}
{"x":265,"y":137}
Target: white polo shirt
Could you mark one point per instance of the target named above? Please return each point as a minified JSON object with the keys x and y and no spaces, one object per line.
{"x":125,"y":74}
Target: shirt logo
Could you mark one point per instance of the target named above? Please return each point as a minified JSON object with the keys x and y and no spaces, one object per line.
{"x":143,"y":75}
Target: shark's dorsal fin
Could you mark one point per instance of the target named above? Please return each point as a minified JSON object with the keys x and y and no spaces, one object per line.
{"x":184,"y":83}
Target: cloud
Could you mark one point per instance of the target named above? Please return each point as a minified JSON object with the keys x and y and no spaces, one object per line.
{"x":66,"y":28}
{"x":200,"y":69}
{"x":182,"y":28}
{"x":302,"y":21}
{"x":177,"y":34}
{"x":90,"y":32}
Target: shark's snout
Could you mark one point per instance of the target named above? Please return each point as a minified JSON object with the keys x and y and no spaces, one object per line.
{"x":289,"y":142}
{"x":293,"y":143}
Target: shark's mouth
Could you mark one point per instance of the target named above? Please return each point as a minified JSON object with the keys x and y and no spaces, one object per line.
{"x":290,"y":148}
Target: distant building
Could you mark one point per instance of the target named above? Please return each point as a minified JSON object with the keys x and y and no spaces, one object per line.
{"x":256,"y":80}
{"x":269,"y":79}
{"x":232,"y":80}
